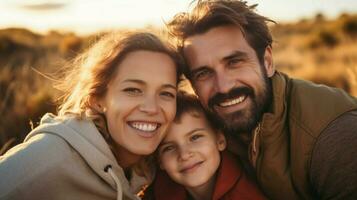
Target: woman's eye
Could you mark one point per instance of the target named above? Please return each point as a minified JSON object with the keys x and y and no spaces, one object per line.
{"x":132,"y":91}
{"x":168,"y":94}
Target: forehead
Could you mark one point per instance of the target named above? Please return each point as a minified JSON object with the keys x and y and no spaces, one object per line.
{"x":215,"y":44}
{"x":186,"y":125}
{"x":143,"y":64}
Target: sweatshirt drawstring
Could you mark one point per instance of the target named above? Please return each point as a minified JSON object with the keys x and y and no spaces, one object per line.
{"x":256,"y":132}
{"x":108,"y":169}
{"x":253,"y":151}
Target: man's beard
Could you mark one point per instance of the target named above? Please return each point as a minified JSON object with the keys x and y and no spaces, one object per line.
{"x":244,"y":120}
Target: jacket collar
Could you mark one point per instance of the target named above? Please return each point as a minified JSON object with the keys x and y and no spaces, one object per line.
{"x":227,"y":175}
{"x":273,"y":120}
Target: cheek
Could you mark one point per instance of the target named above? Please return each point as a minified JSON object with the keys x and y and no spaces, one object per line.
{"x":167,"y":163}
{"x":256,"y":82}
{"x":212,"y":149}
{"x":113,"y":112}
{"x":170,"y":111}
{"x":115,"y":116}
{"x":215,"y":156}
{"x":253,"y":76}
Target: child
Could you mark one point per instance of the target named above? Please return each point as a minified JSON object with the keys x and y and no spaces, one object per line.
{"x":192,"y":155}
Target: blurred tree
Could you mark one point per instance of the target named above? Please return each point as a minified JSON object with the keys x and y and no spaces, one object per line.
{"x":349,"y":27}
{"x":319,"y":17}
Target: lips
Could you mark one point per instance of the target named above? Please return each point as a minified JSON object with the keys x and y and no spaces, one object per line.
{"x":234,"y":97}
{"x":191,"y":168}
{"x":231,"y":102}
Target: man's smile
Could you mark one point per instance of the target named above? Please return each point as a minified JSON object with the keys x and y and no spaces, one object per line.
{"x":233,"y":101}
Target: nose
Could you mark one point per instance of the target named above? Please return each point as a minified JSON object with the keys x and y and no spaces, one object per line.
{"x":224,"y":82}
{"x":149,"y":105}
{"x":185,"y":153}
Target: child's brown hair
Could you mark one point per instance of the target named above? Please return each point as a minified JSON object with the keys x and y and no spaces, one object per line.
{"x":189,"y":103}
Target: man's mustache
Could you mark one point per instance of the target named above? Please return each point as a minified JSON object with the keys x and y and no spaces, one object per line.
{"x":234,"y":92}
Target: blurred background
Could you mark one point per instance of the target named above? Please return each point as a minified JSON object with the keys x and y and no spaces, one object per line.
{"x":314,"y":40}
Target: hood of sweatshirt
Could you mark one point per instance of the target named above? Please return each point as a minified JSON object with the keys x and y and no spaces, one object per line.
{"x":84,"y":137}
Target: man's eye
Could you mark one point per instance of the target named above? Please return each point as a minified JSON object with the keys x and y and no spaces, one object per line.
{"x":202,"y":75}
{"x":233,"y":61}
{"x":196,"y":137}
{"x":132,"y":91}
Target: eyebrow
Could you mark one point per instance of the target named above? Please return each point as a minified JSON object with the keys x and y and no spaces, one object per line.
{"x":141,"y":82}
{"x":235,"y":54}
{"x":194,"y":71}
{"x":195,"y":130}
{"x":169,"y":86}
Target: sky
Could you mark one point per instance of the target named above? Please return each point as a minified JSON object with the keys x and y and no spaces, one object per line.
{"x":89,"y":16}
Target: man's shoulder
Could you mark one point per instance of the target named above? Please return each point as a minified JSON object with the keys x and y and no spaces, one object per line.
{"x":340,"y":133}
{"x":333,"y":166}
{"x":313,"y":106}
{"x":342,"y":130}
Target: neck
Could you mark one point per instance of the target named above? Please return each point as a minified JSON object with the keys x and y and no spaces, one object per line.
{"x":203,"y":192}
{"x":125,"y":158}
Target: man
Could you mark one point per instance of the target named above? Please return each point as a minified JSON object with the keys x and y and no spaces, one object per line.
{"x":299,"y":139}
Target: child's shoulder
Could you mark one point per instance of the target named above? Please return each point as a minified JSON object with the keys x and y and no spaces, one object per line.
{"x":163,"y":187}
{"x":233,"y":182}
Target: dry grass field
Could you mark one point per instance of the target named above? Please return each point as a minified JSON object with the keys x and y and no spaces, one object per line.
{"x":320,"y":50}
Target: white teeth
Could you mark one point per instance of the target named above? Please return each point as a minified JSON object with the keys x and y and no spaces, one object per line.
{"x":144,"y":126}
{"x":232,"y":102}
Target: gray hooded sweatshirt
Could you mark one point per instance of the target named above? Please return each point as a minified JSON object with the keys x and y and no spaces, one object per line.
{"x":65,"y":159}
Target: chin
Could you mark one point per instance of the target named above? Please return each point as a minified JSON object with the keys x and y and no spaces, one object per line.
{"x":197,"y":182}
{"x":144,"y":151}
{"x":240,"y":121}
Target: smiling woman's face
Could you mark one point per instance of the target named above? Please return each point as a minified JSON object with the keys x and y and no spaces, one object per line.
{"x":140,"y":103}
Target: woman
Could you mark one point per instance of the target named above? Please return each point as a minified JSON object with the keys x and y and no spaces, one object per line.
{"x":119,"y":99}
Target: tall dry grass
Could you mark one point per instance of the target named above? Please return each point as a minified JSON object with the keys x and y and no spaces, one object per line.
{"x":25,"y":92}
{"x":320,"y":50}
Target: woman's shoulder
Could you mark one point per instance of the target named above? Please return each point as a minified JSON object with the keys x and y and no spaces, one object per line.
{"x":37,"y":148}
{"x":31,"y":161}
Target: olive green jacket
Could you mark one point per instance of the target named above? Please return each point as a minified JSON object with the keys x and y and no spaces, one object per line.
{"x":285,"y":138}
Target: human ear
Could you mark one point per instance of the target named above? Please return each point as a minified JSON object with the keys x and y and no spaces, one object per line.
{"x":268,"y":62}
{"x":97,"y":104}
{"x":221,"y":141}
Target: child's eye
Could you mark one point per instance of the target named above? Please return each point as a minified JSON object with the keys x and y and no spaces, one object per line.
{"x":195,"y":137}
{"x":167,"y":148}
{"x":132,"y":91}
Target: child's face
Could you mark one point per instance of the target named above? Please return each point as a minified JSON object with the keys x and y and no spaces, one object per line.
{"x":189,"y":152}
